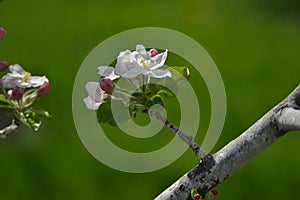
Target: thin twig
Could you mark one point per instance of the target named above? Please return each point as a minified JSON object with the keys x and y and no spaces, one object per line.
{"x":9,"y":129}
{"x":182,"y":135}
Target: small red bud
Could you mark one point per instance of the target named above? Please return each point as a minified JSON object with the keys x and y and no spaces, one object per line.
{"x":107,"y":84}
{"x":197,"y":197}
{"x":153,"y":52}
{"x":2,"y":33}
{"x":3,"y":66}
{"x":214,"y":192}
{"x":17,"y":93}
{"x":44,"y":88}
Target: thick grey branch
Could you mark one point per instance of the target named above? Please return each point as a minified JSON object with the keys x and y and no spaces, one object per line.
{"x":289,"y":119}
{"x":10,"y":128}
{"x":182,"y":135}
{"x":215,"y":168}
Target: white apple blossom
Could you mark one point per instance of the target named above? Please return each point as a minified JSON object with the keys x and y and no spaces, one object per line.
{"x":95,"y":95}
{"x":107,"y":72}
{"x":139,"y":62}
{"x":18,"y":77}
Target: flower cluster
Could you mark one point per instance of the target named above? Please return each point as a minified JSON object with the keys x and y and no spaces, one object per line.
{"x":19,"y":90}
{"x":19,"y":78}
{"x":139,"y":68}
{"x":133,"y":65}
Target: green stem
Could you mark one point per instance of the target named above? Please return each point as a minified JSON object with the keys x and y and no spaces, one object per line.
{"x":7,"y":106}
{"x":143,"y":82}
{"x":147,"y":83}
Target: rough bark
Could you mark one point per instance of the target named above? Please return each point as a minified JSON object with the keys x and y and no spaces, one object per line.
{"x":215,"y":168}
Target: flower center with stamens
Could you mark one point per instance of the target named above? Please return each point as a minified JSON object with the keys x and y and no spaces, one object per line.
{"x":26,"y":76}
{"x":145,"y":64}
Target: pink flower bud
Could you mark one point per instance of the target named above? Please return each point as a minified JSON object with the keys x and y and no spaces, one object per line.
{"x":3,"y":66}
{"x":153,"y":52}
{"x":17,"y":93}
{"x":2,"y":33}
{"x":214,"y":192}
{"x":197,"y":197}
{"x":44,"y":88}
{"x":107,"y":84}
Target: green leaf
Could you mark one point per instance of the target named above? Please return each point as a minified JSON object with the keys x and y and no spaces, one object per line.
{"x":166,"y":92}
{"x":133,"y":109}
{"x":180,"y":75}
{"x":183,"y":71}
{"x":157,"y":100}
{"x":4,"y":99}
{"x":193,"y":193}
{"x":164,"y":88}
{"x":29,"y":97}
{"x":105,"y":115}
{"x":141,"y":94}
{"x":41,"y":112}
{"x":7,"y":106}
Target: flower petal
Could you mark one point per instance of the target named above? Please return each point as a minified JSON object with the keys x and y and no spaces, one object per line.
{"x":159,"y":73}
{"x":22,"y":84}
{"x":36,"y":81}
{"x":108,"y":72}
{"x":158,"y":60}
{"x":16,"y":67}
{"x":91,"y":104}
{"x":9,"y":81}
{"x":16,"y":75}
{"x":94,"y":91}
{"x":126,"y":64}
{"x":134,"y":72}
{"x":142,"y":51}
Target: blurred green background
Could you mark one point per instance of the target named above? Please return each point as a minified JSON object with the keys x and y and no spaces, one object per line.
{"x":255,"y":44}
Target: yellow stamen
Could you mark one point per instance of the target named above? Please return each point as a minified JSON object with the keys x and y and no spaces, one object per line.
{"x":26,"y":75}
{"x":145,"y":64}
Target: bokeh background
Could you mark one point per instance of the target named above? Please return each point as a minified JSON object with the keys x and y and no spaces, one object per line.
{"x":255,"y":44}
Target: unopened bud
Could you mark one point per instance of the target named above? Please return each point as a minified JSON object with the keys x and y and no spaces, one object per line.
{"x":153,"y":52}
{"x":17,"y":93}
{"x":197,"y":197}
{"x":2,"y":33}
{"x":107,"y":84}
{"x":44,"y":88}
{"x":3,"y":66}
{"x":214,"y":192}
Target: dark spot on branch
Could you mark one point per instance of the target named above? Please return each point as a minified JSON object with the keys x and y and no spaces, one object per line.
{"x":244,"y":144}
{"x":206,"y":164}
{"x":181,"y":188}
{"x":297,"y":100}
{"x":203,"y":190}
{"x":167,"y":123}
